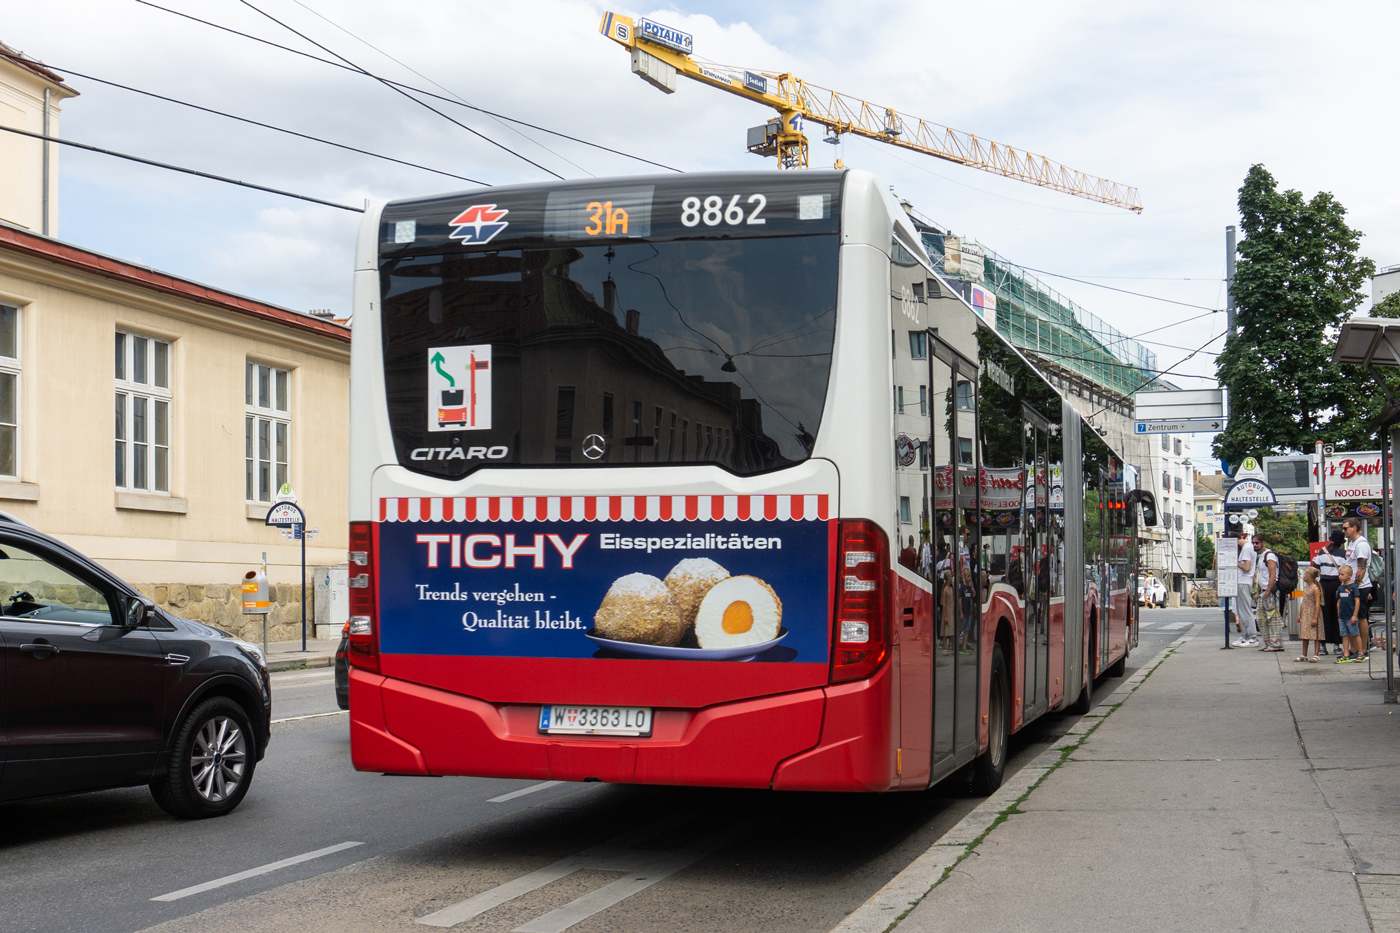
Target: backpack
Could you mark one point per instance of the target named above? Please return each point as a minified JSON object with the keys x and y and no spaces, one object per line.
{"x":1287,"y":572}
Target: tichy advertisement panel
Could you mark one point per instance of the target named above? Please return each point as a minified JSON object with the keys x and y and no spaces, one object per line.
{"x":703,"y":578}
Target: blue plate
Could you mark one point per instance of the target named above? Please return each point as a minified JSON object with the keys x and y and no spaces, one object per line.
{"x":633,"y":650}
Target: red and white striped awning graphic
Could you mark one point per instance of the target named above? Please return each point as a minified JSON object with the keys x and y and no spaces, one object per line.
{"x":605,"y":509}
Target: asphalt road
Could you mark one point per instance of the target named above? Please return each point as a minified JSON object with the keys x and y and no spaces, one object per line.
{"x":728,"y":860}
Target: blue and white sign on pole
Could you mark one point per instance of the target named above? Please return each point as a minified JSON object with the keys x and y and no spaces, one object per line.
{"x":1180,"y":426}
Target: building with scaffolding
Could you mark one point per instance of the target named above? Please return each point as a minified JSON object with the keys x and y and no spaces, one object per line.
{"x":1098,"y":368}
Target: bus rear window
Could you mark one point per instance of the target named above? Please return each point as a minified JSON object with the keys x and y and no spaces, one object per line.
{"x":684,"y":351}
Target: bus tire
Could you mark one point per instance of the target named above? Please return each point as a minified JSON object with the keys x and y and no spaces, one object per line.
{"x":1085,"y":700}
{"x":988,"y":768}
{"x":1117,"y":668}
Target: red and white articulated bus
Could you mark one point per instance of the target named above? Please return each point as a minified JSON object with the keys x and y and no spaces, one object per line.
{"x":709,"y":479}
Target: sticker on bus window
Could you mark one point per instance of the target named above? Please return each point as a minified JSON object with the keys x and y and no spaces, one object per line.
{"x":698,"y":578}
{"x":459,"y":388}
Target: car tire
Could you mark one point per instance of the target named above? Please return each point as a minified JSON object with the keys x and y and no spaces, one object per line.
{"x":211,"y":762}
{"x":988,"y":768}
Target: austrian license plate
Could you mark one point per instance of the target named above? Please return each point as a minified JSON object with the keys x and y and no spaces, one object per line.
{"x":595,"y":720}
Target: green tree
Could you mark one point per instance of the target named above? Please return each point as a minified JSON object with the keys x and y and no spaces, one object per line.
{"x":1285,"y":532}
{"x":1205,"y":554}
{"x":1298,"y":278}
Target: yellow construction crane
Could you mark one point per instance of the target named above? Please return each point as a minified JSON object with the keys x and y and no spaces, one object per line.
{"x":659,"y":53}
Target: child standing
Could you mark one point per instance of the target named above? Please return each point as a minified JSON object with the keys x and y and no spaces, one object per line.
{"x":1311,"y":611}
{"x":1348,"y":615}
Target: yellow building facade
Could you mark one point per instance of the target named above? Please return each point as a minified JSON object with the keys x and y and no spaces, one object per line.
{"x":149,"y":421}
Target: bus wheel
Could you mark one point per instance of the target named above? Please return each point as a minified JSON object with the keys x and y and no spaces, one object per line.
{"x":987,"y":770}
{"x":1085,"y":701}
{"x":1117,"y":668}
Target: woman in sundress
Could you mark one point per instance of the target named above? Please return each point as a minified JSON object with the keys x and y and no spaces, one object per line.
{"x":1311,"y":611}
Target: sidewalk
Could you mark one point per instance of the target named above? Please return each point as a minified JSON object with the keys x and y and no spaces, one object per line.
{"x":288,"y":656}
{"x":1230,"y":790}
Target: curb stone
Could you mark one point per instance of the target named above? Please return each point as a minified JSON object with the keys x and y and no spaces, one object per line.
{"x":886,"y":908}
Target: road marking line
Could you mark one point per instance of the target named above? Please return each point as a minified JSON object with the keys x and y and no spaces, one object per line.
{"x":334,"y":712}
{"x":644,"y":868}
{"x":524,"y":790}
{"x":1176,"y":626}
{"x":324,"y":673}
{"x":254,"y":872}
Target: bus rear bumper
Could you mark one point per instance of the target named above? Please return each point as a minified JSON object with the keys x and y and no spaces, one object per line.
{"x":399,"y":727}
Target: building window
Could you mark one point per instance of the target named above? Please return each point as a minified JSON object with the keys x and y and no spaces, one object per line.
{"x":1166,"y":443}
{"x":965,"y":451}
{"x":671,"y":442}
{"x":964,"y":396}
{"x":9,"y":391}
{"x":564,"y":414}
{"x":918,"y":344}
{"x":1166,"y":481}
{"x":1200,"y":508}
{"x":142,"y":413}
{"x":899,"y":399}
{"x":905,"y":517}
{"x":267,"y":430}
{"x":1176,"y":446}
{"x":685,"y":434}
{"x":657,"y":415}
{"x":1177,"y":483}
{"x":1210,"y":528}
{"x":1178,"y":522}
{"x":923,"y":400}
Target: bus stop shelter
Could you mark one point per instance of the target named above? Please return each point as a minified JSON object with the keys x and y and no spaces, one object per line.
{"x":1375,"y":343}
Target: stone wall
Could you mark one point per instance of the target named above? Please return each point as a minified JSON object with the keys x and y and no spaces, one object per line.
{"x":221,"y":606}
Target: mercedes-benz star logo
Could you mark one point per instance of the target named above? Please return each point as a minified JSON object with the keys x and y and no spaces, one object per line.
{"x":594,"y":446}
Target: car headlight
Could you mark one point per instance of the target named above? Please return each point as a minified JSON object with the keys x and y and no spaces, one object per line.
{"x":254,"y":653}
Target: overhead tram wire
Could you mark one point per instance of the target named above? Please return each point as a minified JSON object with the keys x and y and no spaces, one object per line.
{"x":1112,"y":288}
{"x":180,"y":168}
{"x":259,"y":123}
{"x":422,"y":103}
{"x":435,"y":84}
{"x":407,"y":87}
{"x":1166,"y":372}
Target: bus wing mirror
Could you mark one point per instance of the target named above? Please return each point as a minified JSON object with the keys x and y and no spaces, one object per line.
{"x":1142,"y":498}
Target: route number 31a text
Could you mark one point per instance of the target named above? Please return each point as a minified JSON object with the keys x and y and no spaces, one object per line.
{"x":713,"y":211}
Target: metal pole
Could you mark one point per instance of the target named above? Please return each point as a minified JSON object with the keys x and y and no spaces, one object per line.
{"x":1229,"y":282}
{"x":303,"y":586}
{"x":48,"y":106}
{"x":264,"y":615}
{"x":1392,"y":537}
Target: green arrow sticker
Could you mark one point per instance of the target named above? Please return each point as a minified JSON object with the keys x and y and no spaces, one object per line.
{"x":437,"y":361}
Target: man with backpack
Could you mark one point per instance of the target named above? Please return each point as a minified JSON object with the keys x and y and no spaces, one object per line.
{"x":1268,"y":580}
{"x":1359,"y":560}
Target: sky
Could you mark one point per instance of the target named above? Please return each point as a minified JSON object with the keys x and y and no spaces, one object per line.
{"x":1178,"y":99}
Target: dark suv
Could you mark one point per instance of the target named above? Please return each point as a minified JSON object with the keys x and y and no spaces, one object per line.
{"x":99,"y":688}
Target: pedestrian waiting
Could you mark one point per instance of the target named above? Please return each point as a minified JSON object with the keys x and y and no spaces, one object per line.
{"x":1266,"y":601}
{"x":1348,"y":612}
{"x":1310,"y":617}
{"x":1329,"y":561}
{"x":1244,"y":595}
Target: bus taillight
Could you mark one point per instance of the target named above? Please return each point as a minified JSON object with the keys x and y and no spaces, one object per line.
{"x":860,"y":634}
{"x":364,"y":622}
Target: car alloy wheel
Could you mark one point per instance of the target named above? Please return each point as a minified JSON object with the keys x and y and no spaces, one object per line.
{"x":210,"y":763}
{"x":218,"y":759}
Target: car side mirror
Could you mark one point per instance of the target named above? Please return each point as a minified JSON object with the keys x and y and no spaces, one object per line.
{"x":139,"y":611}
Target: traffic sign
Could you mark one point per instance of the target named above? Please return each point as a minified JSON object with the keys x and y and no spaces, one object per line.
{"x":1180,"y":426}
{"x":285,"y":513}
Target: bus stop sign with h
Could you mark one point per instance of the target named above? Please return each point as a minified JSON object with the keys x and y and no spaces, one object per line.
{"x":287,"y":515}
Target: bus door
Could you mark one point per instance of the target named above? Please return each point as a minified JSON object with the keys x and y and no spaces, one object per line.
{"x":957,"y":556}
{"x":1035,"y":560}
